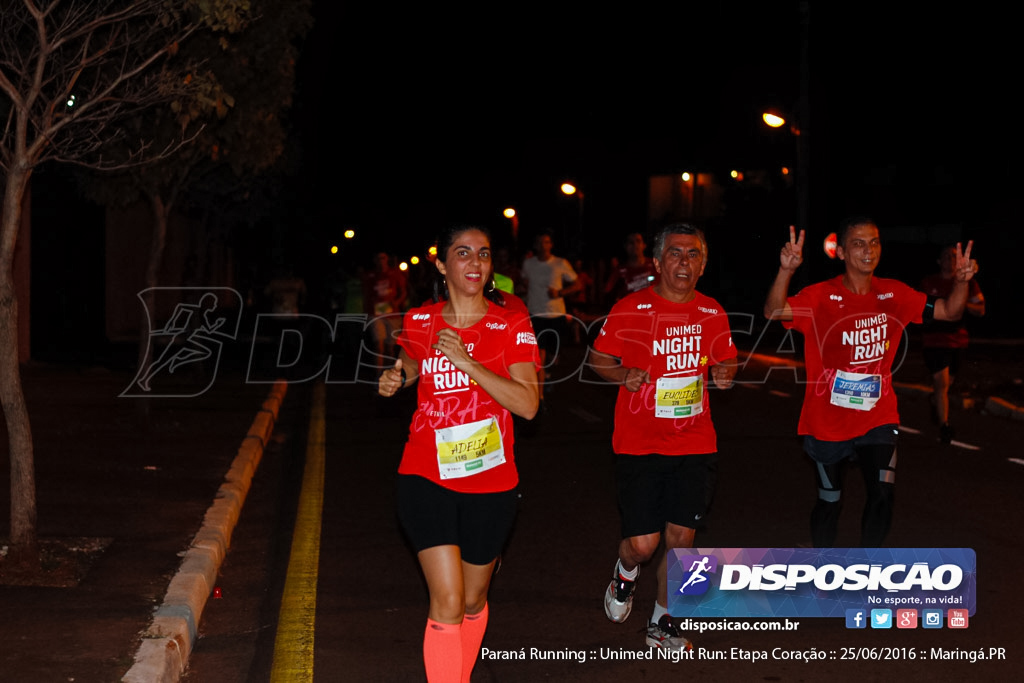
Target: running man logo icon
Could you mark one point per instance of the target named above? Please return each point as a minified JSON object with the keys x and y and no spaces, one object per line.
{"x":193,"y":336}
{"x":695,"y":580}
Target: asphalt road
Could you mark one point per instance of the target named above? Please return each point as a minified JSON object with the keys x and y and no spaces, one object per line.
{"x":546,"y":599}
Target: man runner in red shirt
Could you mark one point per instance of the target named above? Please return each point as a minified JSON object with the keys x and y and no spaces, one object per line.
{"x":853,"y":324}
{"x":660,"y":345}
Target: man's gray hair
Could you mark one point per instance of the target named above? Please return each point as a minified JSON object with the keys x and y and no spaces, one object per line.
{"x":678,"y":229}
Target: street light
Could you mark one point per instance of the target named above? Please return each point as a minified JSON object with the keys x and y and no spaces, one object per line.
{"x":773,"y":120}
{"x":511,"y":214}
{"x":802,"y":169}
{"x":569,"y":189}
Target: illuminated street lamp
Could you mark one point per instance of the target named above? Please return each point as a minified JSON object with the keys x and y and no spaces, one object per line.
{"x":775,"y":120}
{"x":511,"y":214}
{"x":569,"y":189}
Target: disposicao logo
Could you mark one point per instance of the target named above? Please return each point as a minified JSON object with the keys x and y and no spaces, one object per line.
{"x":695,"y":581}
{"x":807,"y":582}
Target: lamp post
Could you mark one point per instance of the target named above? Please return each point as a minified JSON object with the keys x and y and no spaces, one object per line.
{"x":802,"y":167}
{"x":569,"y":189}
{"x":510,"y":213}
{"x":801,"y":126}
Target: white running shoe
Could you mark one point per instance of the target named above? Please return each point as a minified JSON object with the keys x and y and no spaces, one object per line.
{"x":618,"y":599}
{"x":666,"y":636}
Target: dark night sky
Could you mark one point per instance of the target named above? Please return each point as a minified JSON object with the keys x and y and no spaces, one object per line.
{"x":416,"y":118}
{"x":411,"y":119}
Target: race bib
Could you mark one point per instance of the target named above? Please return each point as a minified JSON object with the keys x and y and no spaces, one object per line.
{"x":465,"y":450}
{"x":679,"y":396}
{"x":856,"y":391}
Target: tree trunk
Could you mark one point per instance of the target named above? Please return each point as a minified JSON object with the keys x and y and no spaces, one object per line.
{"x":156,"y":255}
{"x":24,"y":541}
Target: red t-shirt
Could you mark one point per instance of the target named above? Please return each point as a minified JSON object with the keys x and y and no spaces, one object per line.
{"x":676,"y":344}
{"x":460,"y":437}
{"x":633,"y":278}
{"x":945,"y":334}
{"x":850,"y":344}
{"x":514,"y":303}
{"x":380,"y":291}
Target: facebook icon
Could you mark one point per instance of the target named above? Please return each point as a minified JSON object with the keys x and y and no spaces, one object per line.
{"x":856,"y":618}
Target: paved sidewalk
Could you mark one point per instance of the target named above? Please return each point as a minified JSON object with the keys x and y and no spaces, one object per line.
{"x":139,"y":481}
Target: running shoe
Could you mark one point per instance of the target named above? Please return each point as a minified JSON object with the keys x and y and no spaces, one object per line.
{"x":618,"y":599}
{"x":666,"y":636}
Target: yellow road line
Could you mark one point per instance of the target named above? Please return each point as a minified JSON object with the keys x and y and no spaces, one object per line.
{"x":293,"y":645}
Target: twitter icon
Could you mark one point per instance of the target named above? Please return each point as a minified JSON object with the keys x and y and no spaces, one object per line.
{"x":881,"y":618}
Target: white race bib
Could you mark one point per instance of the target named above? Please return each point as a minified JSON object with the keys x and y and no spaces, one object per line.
{"x":465,"y":450}
{"x":679,"y":396}
{"x":856,"y":391}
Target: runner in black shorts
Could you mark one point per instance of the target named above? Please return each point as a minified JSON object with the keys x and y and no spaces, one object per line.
{"x":475,"y":364}
{"x":662,"y":344}
{"x":853,"y":324}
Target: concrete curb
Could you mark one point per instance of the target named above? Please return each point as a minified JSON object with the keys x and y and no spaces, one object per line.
{"x":167,"y":643}
{"x":997,"y":406}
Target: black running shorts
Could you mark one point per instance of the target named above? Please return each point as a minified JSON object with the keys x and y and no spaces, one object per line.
{"x":831,"y":452}
{"x":431,"y":515}
{"x":655,"y":489}
{"x":937,"y":358}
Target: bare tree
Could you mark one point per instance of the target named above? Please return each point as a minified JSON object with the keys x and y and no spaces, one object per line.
{"x":72,"y":72}
{"x":242,"y":86}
